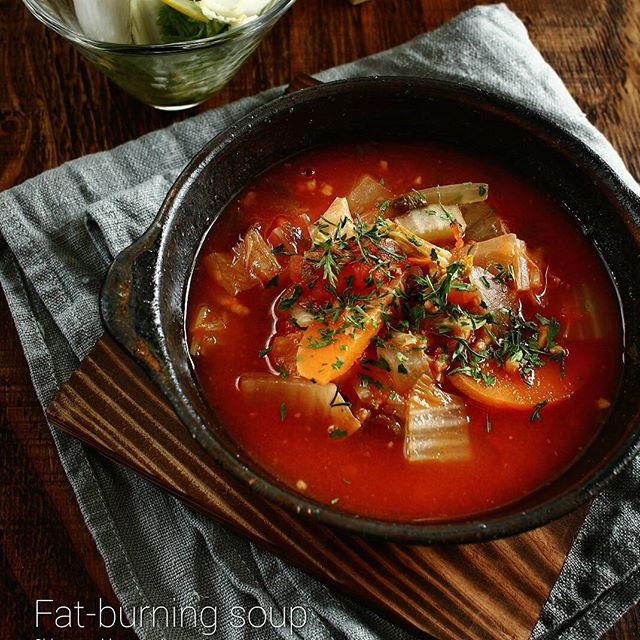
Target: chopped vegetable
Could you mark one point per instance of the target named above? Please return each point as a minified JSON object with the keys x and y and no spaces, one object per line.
{"x":329,"y":350}
{"x":482,"y":221}
{"x":510,"y":392}
{"x":496,"y":297}
{"x":582,"y":314}
{"x":434,"y":222}
{"x":436,"y":425}
{"x":283,"y":351}
{"x":366,"y":194}
{"x":252,"y":262}
{"x":413,"y":245}
{"x":507,"y":258}
{"x":336,"y":220}
{"x":406,"y":358}
{"x":320,"y":403}
{"x":204,"y":328}
{"x":450,"y":194}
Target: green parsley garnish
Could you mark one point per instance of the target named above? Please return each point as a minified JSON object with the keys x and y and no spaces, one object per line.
{"x":535,"y":414}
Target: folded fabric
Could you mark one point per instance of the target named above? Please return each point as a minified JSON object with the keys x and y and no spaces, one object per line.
{"x":58,"y":233}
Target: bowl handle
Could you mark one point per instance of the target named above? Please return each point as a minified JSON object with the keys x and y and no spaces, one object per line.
{"x":127,"y":301}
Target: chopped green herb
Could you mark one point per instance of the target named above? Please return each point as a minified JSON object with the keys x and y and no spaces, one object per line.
{"x":335,"y":434}
{"x":535,"y":414}
{"x":287,"y":303}
{"x":283,"y":411}
{"x":263,"y":352}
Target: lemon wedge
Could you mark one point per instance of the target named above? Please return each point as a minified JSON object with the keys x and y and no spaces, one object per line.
{"x":188,"y":8}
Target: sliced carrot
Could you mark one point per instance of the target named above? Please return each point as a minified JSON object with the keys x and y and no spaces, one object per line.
{"x":328,"y":351}
{"x":511,"y":392}
{"x":324,"y":362}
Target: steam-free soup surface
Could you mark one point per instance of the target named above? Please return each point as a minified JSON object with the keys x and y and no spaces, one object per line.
{"x":417,"y":405}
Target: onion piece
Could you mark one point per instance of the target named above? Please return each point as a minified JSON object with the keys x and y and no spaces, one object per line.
{"x":482,"y":221}
{"x":436,"y":425}
{"x":318,"y":402}
{"x":300,"y":316}
{"x":448,"y":194}
{"x":366,"y":194}
{"x":433,"y":222}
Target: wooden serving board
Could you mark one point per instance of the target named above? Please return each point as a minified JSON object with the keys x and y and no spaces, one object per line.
{"x":478,"y":591}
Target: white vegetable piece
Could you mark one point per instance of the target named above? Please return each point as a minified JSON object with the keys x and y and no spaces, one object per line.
{"x":436,"y":425}
{"x":433,"y":222}
{"x":495,"y":295}
{"x":106,"y":21}
{"x":414,"y":245}
{"x":233,"y":12}
{"x":144,"y":21}
{"x":585,"y":320}
{"x":336,"y":216}
{"x":320,"y":403}
{"x":510,"y":252}
{"x":367,"y":193}
{"x":405,"y":354}
{"x":448,"y":194}
{"x":482,"y":222}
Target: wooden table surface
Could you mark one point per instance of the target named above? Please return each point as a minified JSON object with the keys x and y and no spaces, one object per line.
{"x":54,"y":107}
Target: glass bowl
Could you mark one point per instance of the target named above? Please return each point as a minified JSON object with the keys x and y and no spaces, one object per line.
{"x":166,"y":76}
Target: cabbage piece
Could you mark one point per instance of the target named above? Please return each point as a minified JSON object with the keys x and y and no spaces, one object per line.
{"x":433,"y":222}
{"x":449,"y":194}
{"x":252,"y":262}
{"x":144,"y":21}
{"x":496,"y":296}
{"x":582,"y":314}
{"x":204,"y":327}
{"x":509,"y":253}
{"x":436,"y":425}
{"x":321,"y":404}
{"x":106,"y":21}
{"x":482,"y":222}
{"x":406,"y":357}
{"x":336,"y":220}
{"x":413,"y":245}
{"x":367,"y":194}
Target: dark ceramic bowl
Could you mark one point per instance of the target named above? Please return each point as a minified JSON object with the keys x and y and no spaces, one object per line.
{"x":143,"y":298}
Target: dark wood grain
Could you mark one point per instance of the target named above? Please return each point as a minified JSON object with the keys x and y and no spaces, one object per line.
{"x":54,"y":107}
{"x":476,"y":592}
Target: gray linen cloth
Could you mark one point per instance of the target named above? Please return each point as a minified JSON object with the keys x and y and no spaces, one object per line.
{"x":53,"y":231}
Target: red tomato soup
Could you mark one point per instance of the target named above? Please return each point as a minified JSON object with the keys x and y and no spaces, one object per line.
{"x":404,"y":331}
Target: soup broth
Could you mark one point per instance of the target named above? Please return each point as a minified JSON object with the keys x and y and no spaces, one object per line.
{"x":404,"y":331}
